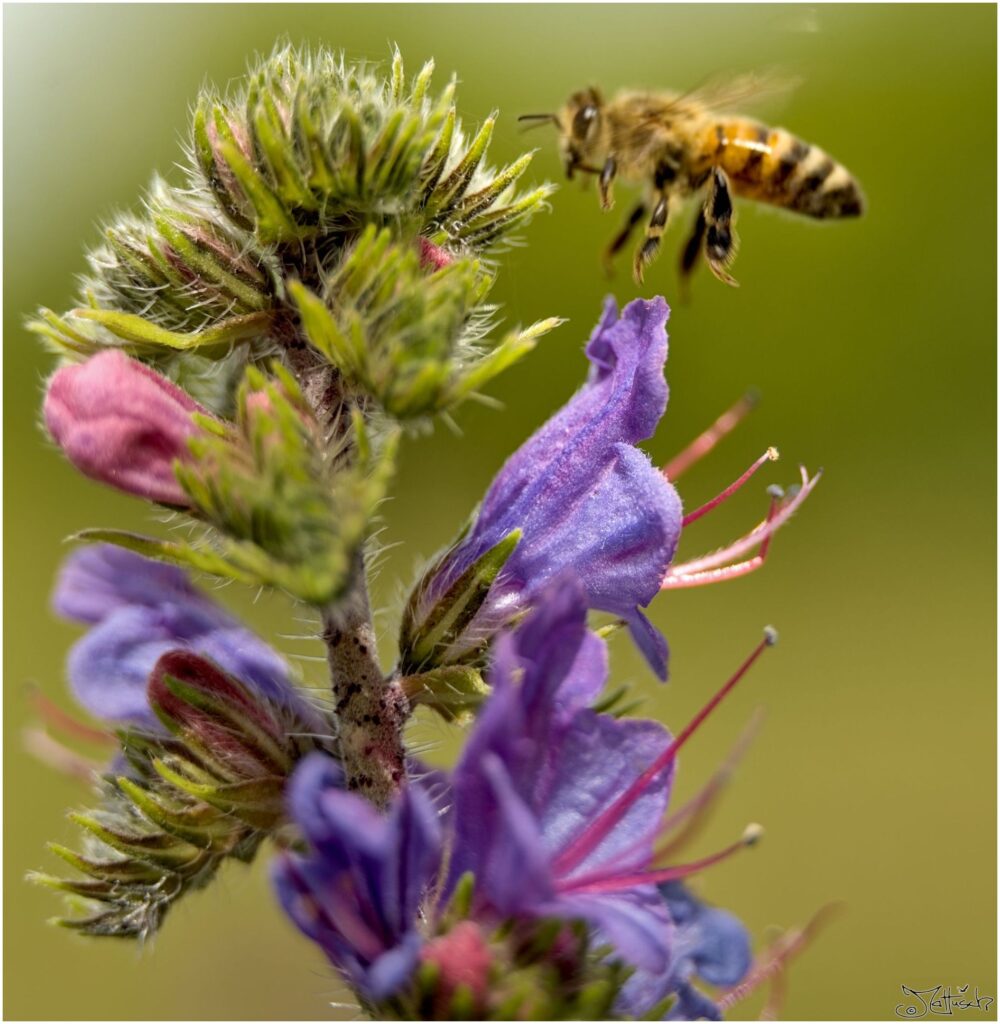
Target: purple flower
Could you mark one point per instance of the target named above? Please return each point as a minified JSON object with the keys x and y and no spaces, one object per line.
{"x":539,"y":771}
{"x":140,"y":609}
{"x":554,"y":812}
{"x":582,"y":495}
{"x":358,"y":893}
{"x":123,"y":424}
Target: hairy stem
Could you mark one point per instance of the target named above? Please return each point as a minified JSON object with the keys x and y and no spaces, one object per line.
{"x":371,"y":709}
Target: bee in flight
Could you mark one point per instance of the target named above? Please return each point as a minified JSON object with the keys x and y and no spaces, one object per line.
{"x":680,"y":147}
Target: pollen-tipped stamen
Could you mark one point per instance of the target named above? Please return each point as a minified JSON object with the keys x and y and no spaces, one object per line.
{"x":708,"y":439}
{"x":771,"y":455}
{"x":692,"y":816}
{"x":595,"y":833}
{"x":728,"y":572}
{"x":697,"y":571}
{"x":615,"y":883}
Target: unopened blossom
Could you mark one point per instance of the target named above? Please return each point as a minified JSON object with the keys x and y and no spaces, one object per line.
{"x":578,"y":495}
{"x":554,"y":812}
{"x":123,"y":424}
{"x":138,"y":610}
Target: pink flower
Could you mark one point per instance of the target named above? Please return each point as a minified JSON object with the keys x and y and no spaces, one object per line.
{"x":123,"y":424}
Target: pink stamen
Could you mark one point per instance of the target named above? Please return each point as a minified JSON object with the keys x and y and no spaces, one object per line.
{"x":708,"y":439}
{"x":594,"y":834}
{"x":697,"y":811}
{"x":56,"y":755}
{"x":615,"y":883}
{"x":776,"y":518}
{"x":776,"y":1000}
{"x":703,"y":579}
{"x":787,"y":947}
{"x":771,"y":455}
{"x":63,"y":721}
{"x":727,"y":572}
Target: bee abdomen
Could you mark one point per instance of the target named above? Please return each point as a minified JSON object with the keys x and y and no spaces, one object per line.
{"x":773,"y":166}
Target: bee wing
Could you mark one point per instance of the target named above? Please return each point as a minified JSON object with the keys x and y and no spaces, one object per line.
{"x":736,"y":90}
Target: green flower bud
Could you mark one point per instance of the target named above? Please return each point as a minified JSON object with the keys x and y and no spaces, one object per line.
{"x":210,"y":789}
{"x":311,"y":199}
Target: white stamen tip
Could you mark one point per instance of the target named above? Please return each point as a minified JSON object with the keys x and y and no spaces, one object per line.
{"x":770,"y":636}
{"x":776,"y":491}
{"x":752,"y":834}
{"x":772,"y":454}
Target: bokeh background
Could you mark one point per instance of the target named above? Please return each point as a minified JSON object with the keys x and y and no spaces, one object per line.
{"x":871,"y":342}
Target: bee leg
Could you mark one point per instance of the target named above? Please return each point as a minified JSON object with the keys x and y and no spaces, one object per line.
{"x":690,"y":253}
{"x":607,"y":181}
{"x":617,"y":243}
{"x":646,"y":252}
{"x":720,"y":238}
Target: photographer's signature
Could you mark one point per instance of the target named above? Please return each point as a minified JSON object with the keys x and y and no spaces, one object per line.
{"x":941,"y":1000}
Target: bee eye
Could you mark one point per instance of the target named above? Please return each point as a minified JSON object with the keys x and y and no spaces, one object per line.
{"x":583,"y":120}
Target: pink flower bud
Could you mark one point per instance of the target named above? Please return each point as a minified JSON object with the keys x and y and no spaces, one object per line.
{"x":433,"y":257}
{"x":121,"y":423}
{"x":258,"y":401}
{"x":463,"y":957}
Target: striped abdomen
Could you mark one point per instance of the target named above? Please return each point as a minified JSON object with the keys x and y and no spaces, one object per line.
{"x":773,"y":166}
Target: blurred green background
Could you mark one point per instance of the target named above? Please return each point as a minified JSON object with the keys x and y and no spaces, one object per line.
{"x":872,"y":343}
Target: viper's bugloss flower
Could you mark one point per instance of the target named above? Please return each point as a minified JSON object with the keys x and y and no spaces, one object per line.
{"x":359,"y":892}
{"x":138,"y":610}
{"x":537,"y":772}
{"x":578,"y":495}
{"x":553,"y":815}
{"x":121,"y":423}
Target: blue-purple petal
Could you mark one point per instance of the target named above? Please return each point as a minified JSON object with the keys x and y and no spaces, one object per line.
{"x":139,"y":609}
{"x":357,"y":891}
{"x":584,"y":498}
{"x":598,"y":759}
{"x":712,"y":944}
{"x":97,"y":580}
{"x":634,"y":922}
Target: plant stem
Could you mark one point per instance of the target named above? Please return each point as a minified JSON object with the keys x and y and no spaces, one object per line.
{"x":371,"y":708}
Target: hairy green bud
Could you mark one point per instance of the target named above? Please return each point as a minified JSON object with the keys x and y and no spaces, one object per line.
{"x":321,"y":201}
{"x":210,"y":789}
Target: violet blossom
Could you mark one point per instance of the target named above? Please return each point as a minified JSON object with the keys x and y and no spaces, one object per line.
{"x":582,"y":495}
{"x":139,"y":609}
{"x":554,"y":813}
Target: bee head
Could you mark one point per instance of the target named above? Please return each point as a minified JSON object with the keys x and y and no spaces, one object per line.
{"x":580,"y":123}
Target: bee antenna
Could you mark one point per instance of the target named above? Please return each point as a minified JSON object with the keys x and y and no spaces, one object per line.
{"x":539,"y":119}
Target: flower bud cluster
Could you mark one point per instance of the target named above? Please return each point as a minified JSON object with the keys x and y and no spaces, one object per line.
{"x":310,"y":202}
{"x":207,"y":787}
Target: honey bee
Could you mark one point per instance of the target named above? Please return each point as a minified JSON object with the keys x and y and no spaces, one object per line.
{"x":680,"y":147}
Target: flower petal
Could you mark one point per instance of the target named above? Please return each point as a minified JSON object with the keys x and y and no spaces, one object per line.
{"x":95,"y":580}
{"x":140,"y":610}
